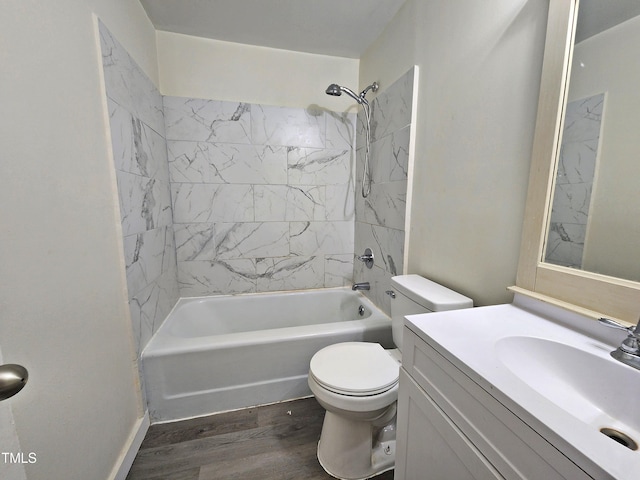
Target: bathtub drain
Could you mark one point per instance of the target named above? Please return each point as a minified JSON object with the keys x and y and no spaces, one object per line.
{"x":621,"y":438}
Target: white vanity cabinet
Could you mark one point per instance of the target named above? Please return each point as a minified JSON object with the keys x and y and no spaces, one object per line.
{"x":449,"y":427}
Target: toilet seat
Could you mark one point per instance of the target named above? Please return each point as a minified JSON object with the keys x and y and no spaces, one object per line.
{"x":357,"y":369}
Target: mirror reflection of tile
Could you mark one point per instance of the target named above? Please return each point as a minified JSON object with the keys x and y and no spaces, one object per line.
{"x":574,"y":181}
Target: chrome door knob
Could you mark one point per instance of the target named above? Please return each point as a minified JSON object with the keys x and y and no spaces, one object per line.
{"x":13,"y":378}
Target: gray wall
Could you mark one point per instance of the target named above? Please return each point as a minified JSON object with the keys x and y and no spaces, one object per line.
{"x":64,"y":304}
{"x":480,"y":65}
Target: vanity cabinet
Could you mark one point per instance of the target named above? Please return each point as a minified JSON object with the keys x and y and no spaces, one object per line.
{"x":449,"y":427}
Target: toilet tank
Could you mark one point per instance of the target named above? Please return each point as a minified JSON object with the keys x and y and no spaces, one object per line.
{"x":415,"y":294}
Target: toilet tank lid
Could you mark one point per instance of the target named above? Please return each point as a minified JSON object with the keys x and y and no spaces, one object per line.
{"x":429,"y":294}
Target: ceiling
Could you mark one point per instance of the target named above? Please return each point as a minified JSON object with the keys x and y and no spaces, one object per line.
{"x":596,"y":16}
{"x":343,"y":28}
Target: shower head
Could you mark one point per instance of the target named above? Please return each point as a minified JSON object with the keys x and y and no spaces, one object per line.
{"x":334,"y":89}
{"x":337,"y":90}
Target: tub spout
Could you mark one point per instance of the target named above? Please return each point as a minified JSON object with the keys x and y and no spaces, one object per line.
{"x":361,"y":286}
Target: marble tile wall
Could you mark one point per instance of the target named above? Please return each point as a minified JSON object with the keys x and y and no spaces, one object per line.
{"x":225,"y":197}
{"x":262,"y":196}
{"x":380,"y":217}
{"x":574,"y":181}
{"x":140,"y":158}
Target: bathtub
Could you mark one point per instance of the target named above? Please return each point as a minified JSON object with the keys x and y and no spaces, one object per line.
{"x":214,"y":354}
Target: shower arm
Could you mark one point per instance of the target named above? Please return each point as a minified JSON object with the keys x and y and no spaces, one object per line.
{"x":373,"y":86}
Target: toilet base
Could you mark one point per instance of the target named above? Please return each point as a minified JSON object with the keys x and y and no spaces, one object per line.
{"x":356,"y":450}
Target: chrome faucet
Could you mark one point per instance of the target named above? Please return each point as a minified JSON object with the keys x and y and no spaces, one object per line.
{"x":629,"y":351}
{"x":361,"y":286}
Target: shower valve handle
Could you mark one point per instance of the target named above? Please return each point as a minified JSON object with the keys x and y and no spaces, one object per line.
{"x":366,"y":258}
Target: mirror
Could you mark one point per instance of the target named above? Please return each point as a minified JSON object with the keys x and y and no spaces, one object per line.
{"x":594,"y":224}
{"x":603,"y":291}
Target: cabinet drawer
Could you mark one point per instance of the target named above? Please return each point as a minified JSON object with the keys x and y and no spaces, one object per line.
{"x":515,"y":449}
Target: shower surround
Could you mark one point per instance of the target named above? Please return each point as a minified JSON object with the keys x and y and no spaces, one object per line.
{"x":142,"y":173}
{"x":380,"y":217}
{"x":262,"y":196}
{"x":233,"y":198}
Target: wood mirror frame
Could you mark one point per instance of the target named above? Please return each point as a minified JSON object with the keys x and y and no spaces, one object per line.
{"x":591,"y":294}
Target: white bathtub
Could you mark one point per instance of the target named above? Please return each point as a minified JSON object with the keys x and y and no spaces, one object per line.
{"x":222,"y":353}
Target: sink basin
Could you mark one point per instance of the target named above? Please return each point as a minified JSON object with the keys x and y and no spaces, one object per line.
{"x":585,"y":382}
{"x":553,"y":369}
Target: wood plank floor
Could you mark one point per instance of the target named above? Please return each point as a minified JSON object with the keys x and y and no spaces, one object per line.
{"x":273,"y":442}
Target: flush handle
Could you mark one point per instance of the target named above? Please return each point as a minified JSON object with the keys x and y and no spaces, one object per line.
{"x":13,"y":378}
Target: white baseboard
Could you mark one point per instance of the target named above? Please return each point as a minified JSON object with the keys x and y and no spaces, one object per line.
{"x":122,"y":467}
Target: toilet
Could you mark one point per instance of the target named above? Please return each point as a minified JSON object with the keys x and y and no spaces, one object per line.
{"x":357,"y":384}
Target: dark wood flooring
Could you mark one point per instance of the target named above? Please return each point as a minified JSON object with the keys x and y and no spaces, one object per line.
{"x":273,"y":442}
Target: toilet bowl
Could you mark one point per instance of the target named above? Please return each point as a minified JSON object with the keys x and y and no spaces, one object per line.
{"x":357,"y":384}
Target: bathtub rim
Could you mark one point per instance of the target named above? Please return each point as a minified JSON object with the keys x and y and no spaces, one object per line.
{"x":162,"y":343}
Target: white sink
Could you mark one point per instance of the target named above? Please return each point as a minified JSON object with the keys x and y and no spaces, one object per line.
{"x":543,"y":367}
{"x":586,"y":382}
